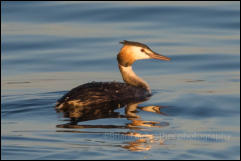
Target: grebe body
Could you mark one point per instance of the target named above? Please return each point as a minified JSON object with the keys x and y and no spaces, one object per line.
{"x":105,"y":92}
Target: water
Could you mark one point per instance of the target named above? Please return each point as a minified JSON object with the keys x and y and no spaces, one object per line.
{"x":50,"y":47}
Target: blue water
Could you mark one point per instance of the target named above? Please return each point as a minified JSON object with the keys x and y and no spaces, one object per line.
{"x":48,"y":48}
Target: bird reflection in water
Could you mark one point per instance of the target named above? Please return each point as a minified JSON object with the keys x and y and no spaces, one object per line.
{"x":142,"y":142}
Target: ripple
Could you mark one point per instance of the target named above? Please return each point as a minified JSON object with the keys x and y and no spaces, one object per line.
{"x":50,"y":47}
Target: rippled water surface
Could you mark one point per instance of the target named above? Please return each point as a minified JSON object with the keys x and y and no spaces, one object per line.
{"x":48,"y":48}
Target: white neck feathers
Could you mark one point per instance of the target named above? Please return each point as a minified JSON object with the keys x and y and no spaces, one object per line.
{"x":130,"y":77}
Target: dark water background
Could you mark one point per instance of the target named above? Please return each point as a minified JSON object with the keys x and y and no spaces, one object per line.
{"x":47,"y":48}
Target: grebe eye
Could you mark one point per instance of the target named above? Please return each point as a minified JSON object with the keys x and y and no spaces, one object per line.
{"x":142,"y":50}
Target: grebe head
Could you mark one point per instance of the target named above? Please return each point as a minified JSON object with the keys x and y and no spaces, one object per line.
{"x":129,"y":53}
{"x":132,"y":51}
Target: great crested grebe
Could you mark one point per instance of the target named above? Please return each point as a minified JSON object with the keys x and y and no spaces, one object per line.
{"x":103,"y":92}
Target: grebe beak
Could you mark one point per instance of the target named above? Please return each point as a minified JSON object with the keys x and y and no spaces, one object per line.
{"x":155,"y":55}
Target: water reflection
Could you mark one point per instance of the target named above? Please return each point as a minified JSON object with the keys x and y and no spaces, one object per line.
{"x":143,"y":142}
{"x":139,"y":141}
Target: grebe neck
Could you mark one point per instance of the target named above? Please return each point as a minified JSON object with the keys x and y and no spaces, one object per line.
{"x":130,"y":77}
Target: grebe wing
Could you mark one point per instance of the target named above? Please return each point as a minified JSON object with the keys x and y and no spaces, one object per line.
{"x":100,"y":92}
